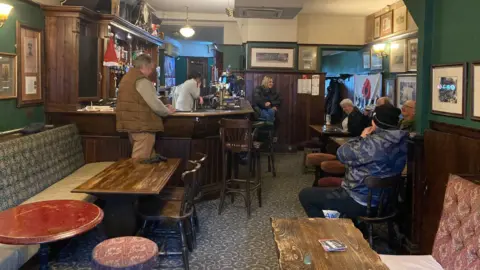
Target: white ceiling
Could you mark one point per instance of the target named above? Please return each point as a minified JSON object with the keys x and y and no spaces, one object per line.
{"x":345,"y":7}
{"x":333,"y":7}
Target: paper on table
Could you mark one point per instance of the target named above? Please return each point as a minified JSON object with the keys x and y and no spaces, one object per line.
{"x":315,"y":85}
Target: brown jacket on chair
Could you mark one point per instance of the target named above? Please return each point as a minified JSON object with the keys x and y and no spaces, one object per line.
{"x":133,"y":113}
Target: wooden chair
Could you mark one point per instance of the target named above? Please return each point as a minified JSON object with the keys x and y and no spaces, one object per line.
{"x":237,"y":138}
{"x":266,"y":135}
{"x":157,"y":208}
{"x":387,"y":190}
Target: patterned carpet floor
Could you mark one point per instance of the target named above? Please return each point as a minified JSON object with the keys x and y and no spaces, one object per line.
{"x":228,"y":241}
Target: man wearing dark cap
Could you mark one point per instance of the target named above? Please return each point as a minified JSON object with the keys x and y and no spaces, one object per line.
{"x":380,"y":151}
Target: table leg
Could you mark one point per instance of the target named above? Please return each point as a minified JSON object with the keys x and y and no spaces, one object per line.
{"x":120,"y":218}
{"x":43,"y":256}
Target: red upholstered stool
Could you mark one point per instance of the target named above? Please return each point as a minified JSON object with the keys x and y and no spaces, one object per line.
{"x":132,"y":253}
{"x":330,"y":182}
{"x":333,"y":167}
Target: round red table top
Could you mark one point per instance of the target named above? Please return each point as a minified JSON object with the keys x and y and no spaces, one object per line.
{"x":47,"y":221}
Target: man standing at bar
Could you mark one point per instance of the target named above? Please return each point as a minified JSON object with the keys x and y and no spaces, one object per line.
{"x":139,"y":111}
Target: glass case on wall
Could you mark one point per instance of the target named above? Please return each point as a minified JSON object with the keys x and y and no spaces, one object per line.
{"x":169,"y":69}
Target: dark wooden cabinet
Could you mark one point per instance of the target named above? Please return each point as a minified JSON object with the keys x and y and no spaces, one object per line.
{"x":72,"y":57}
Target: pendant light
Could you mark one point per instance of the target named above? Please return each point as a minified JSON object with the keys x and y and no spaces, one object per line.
{"x":187,"y":31}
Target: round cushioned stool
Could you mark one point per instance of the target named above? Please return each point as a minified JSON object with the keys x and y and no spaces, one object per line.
{"x":333,"y":167}
{"x":315,"y":159}
{"x":330,"y":182}
{"x":132,"y":253}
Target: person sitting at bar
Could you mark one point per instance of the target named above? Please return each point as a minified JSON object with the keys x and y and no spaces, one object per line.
{"x":139,"y":112}
{"x":355,"y":121}
{"x":408,"y":113}
{"x":266,"y":100}
{"x":380,"y":151}
{"x":188,"y":92}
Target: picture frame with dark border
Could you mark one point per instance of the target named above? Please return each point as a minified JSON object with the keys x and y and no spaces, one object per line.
{"x":277,"y":55}
{"x":393,"y":95}
{"x":377,"y":27}
{"x":408,"y":78}
{"x":386,"y":31}
{"x":307,"y":58}
{"x":475,"y":104}
{"x":367,"y":60}
{"x":446,"y":89}
{"x":29,"y":65}
{"x":8,"y":76}
{"x":412,"y":63}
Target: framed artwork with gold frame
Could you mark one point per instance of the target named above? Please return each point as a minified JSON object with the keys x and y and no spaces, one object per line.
{"x":30,"y":68}
{"x":386,"y":27}
{"x":8,"y":76}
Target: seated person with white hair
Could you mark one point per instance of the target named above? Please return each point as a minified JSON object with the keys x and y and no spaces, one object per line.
{"x":355,"y":122}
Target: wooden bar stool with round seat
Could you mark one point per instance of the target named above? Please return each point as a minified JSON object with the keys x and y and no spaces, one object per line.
{"x":131,"y":252}
{"x":237,"y":139}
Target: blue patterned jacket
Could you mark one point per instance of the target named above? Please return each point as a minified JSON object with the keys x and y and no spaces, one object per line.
{"x":382,"y":153}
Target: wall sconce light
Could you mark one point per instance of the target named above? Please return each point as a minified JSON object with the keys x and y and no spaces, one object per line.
{"x":4,"y":12}
{"x":380,"y":49}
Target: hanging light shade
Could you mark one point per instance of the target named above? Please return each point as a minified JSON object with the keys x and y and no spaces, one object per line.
{"x":187,"y":31}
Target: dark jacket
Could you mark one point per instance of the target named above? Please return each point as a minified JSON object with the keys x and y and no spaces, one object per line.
{"x":332,"y":102}
{"x":357,"y":122}
{"x":382,"y":153}
{"x":263,"y":95}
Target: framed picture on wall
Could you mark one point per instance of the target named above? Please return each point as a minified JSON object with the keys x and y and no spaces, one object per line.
{"x":8,"y":76}
{"x":376,"y":28}
{"x":398,"y":53}
{"x":376,"y":61}
{"x":307,"y":58}
{"x":386,"y":24}
{"x":390,"y":90}
{"x":448,"y":89}
{"x":406,"y":89}
{"x":366,"y":60}
{"x":476,"y":91}
{"x":29,"y":51}
{"x":276,"y":58}
{"x":412,"y":48}
{"x":400,"y":19}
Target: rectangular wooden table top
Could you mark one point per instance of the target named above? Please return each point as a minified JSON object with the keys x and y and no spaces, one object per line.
{"x":329,"y":130}
{"x":131,"y":177}
{"x":297,"y":237}
{"x":340,"y":140}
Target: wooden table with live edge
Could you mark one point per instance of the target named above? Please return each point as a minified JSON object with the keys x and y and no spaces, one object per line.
{"x":298,"y":247}
{"x":121,"y":184}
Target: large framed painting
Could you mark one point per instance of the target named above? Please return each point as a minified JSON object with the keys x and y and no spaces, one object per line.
{"x":386,"y":27}
{"x":475,"y":70}
{"x":307,"y":58}
{"x":29,"y":51}
{"x":272,"y":58}
{"x":376,"y":28}
{"x":412,"y":48}
{"x":398,"y":52}
{"x":376,"y":61}
{"x":448,"y":89}
{"x":8,"y":76}
{"x":406,"y":89}
{"x":400,"y":19}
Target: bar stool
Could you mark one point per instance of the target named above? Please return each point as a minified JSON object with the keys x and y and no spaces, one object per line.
{"x":130,"y":253}
{"x":237,"y":139}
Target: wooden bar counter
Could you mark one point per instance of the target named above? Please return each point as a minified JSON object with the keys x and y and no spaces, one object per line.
{"x":185,"y":134}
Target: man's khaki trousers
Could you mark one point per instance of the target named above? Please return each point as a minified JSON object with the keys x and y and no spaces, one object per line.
{"x":142,"y":144}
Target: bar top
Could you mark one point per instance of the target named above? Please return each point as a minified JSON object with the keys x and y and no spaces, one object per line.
{"x":247,"y":109}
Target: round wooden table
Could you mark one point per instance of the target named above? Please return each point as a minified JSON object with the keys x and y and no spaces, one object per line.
{"x":47,"y":221}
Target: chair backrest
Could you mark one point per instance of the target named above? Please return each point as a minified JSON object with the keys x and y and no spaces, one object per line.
{"x":387,"y":189}
{"x":237,"y":133}
{"x":201,"y":159}
{"x":189,"y":178}
{"x":457,"y":240}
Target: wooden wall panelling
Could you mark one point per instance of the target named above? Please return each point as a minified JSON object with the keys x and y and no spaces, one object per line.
{"x":99,"y":149}
{"x":448,"y":149}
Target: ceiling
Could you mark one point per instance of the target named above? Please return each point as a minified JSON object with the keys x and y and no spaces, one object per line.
{"x":202,"y":33}
{"x":345,"y":7}
{"x":334,"y":7}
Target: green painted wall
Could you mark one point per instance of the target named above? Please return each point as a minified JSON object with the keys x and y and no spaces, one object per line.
{"x":233,"y":55}
{"x":180,"y":70}
{"x":446,"y":35}
{"x":343,"y":63}
{"x":30,"y":15}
